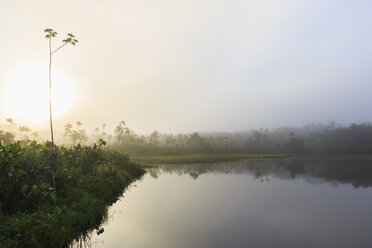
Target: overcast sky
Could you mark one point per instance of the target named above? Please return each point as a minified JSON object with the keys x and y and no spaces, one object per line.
{"x":198,"y":65}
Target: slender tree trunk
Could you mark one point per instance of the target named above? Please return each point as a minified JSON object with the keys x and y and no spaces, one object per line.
{"x":50,"y":92}
{"x":50,"y":112}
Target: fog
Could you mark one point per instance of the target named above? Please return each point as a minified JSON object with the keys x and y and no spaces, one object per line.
{"x":184,"y":66}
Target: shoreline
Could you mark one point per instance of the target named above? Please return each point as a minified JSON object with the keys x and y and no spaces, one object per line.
{"x":214,"y":158}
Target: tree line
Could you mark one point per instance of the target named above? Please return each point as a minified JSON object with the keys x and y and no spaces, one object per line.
{"x":330,"y":138}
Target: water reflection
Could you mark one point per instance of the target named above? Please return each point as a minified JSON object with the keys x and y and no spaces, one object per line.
{"x":357,"y":172}
{"x":251,"y":203}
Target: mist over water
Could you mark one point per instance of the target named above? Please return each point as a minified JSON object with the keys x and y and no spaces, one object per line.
{"x":258,"y":203}
{"x":92,"y":93}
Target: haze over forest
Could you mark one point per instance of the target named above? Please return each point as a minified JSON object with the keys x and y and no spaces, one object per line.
{"x":184,"y":66}
{"x":238,"y":122}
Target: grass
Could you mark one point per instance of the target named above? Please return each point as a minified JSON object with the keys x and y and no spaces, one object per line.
{"x":201,"y":158}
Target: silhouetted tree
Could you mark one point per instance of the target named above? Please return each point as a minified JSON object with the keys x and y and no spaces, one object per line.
{"x":50,"y":33}
{"x":77,"y":135}
{"x":23,"y":132}
{"x":10,"y":120}
{"x":6,"y":137}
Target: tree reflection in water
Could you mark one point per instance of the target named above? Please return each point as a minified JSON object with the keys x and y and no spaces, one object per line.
{"x":357,"y":172}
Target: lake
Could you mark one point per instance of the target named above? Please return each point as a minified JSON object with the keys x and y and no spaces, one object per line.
{"x":248,"y":203}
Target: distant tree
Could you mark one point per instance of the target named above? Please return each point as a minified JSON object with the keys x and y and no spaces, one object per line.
{"x":196,"y":142}
{"x":99,"y":134}
{"x":78,"y":124}
{"x":77,"y":135}
{"x":103,"y":133}
{"x":170,"y":140}
{"x":11,"y":126}
{"x":124,"y":135}
{"x":295,"y":144}
{"x":154,"y":137}
{"x":96,"y":133}
{"x":68,"y":132}
{"x":6,"y":137}
{"x":10,"y":120}
{"x":24,"y":129}
{"x":23,"y":132}
{"x":119,"y":132}
{"x":50,"y":33}
{"x":35,"y":135}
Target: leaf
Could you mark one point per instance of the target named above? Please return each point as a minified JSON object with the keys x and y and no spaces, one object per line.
{"x":34,"y":188}
{"x":20,"y":173}
{"x":52,"y":197}
{"x":24,"y":189}
{"x":20,"y":153}
{"x":58,"y":210}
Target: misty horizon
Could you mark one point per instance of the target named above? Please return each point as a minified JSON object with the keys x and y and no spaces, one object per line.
{"x":45,"y":132}
{"x":189,"y":66}
{"x":226,"y":123}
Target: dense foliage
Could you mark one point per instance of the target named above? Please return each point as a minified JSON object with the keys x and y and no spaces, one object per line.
{"x":88,"y":179}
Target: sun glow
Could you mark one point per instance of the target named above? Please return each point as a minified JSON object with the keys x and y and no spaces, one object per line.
{"x":26,"y":94}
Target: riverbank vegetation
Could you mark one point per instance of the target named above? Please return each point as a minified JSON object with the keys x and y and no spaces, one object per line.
{"x":88,"y":180}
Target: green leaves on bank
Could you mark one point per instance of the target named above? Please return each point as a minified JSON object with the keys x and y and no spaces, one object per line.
{"x":88,"y":179}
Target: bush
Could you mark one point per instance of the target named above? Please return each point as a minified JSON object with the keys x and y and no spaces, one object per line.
{"x":88,"y":180}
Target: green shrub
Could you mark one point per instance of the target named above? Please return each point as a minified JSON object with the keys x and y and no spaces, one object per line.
{"x":88,"y":180}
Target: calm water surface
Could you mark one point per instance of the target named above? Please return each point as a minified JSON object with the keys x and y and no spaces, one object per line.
{"x":249,"y":203}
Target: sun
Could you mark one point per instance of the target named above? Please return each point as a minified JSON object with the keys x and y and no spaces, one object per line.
{"x":26,"y":94}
